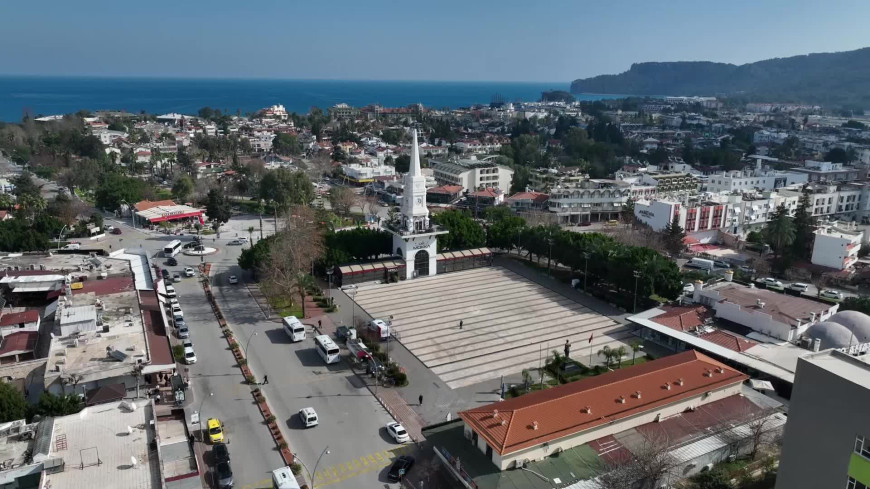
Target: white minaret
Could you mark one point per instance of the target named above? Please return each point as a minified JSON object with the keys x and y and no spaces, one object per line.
{"x":414,"y":239}
{"x":415,"y":214}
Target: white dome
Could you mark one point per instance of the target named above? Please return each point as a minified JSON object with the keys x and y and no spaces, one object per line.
{"x":832,"y":335}
{"x":856,"y":322}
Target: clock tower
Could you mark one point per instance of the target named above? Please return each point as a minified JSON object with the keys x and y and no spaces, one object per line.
{"x":414,"y":236}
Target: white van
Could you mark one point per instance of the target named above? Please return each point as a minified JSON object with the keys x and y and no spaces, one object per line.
{"x":380,"y":327}
{"x":283,"y":478}
{"x":308,"y":417}
{"x":701,"y":263}
{"x":294,"y":328}
{"x":72,"y":246}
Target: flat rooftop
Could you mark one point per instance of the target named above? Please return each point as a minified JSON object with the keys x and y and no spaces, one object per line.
{"x":62,"y":264}
{"x":85,"y":353}
{"x":784,"y":308}
{"x":179,"y":461}
{"x":98,"y":451}
{"x":855,"y":369}
{"x":508,"y":321}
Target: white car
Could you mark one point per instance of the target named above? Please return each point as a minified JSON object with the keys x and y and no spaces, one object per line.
{"x":831,"y":294}
{"x":688,"y":288}
{"x":173,"y":301}
{"x":189,"y":356}
{"x":176,"y":311}
{"x":170,"y":291}
{"x":771,"y":282}
{"x":176,"y":277}
{"x":189,"y":272}
{"x":187,"y":343}
{"x":398,"y":432}
{"x":308,"y":417}
{"x":234,"y":242}
{"x":798,"y":286}
{"x":233,"y":279}
{"x":243,"y":239}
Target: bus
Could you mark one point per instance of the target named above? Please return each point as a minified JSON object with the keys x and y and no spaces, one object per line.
{"x":294,"y":328}
{"x":326,"y":348}
{"x":172,"y":248}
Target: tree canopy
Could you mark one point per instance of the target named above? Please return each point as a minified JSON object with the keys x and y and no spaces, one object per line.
{"x":285,"y":188}
{"x":12,"y":404}
{"x":218,"y":207}
{"x":464,"y":232}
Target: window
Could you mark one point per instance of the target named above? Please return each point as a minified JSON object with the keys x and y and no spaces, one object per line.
{"x":853,"y":484}
{"x":861,"y":447}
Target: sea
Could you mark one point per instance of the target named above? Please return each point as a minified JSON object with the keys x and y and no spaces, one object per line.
{"x":38,"y":96}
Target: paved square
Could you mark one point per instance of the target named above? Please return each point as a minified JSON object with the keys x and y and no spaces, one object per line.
{"x":509,"y":322}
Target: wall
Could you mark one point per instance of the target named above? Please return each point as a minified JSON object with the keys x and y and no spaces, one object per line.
{"x":538,"y":452}
{"x":830,"y":250}
{"x":757,"y":320}
{"x":656,"y":214}
{"x":826,"y":413}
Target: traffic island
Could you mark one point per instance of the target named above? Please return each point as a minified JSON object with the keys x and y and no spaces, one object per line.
{"x":242,"y":363}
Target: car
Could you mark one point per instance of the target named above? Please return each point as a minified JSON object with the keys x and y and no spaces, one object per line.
{"x":173,"y":301}
{"x":170,"y":291}
{"x":172,"y":262}
{"x":176,"y":311}
{"x":798,"y":286}
{"x":308,"y":417}
{"x":688,"y":288}
{"x":187,"y":343}
{"x":224,"y":475}
{"x":721,"y":264}
{"x":400,"y":468}
{"x":179,"y":322}
{"x":770,"y":282}
{"x":831,"y":294}
{"x":344,"y":333}
{"x":165,"y":274}
{"x":189,"y":245}
{"x":183,"y":332}
{"x":116,"y":231}
{"x":398,"y":432}
{"x":189,"y":272}
{"x":189,"y":355}
{"x":243,"y":239}
{"x":584,"y":223}
{"x":233,"y":279}
{"x":220,"y":452}
{"x":215,"y":430}
{"x":176,"y":277}
{"x":234,"y":242}
{"x":747,"y":269}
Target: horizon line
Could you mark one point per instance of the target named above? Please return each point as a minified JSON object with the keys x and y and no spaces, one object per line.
{"x":232,"y":78}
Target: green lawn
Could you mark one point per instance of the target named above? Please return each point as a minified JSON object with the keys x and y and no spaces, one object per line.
{"x":285,"y":307}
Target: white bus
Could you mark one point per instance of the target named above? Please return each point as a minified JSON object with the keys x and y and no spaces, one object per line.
{"x":294,"y":328}
{"x":172,"y":248}
{"x":326,"y":348}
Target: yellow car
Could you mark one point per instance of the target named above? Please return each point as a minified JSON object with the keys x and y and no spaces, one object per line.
{"x":215,"y":430}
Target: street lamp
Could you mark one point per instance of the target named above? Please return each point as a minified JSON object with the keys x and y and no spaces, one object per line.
{"x":199,"y":412}
{"x":329,"y":272}
{"x":310,"y":477}
{"x":250,"y":337}
{"x":637,"y":275}
{"x":586,"y":270}
{"x":549,"y":253}
{"x":60,"y":236}
{"x":351,"y":291}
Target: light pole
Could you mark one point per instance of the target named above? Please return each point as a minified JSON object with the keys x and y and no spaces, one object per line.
{"x":549,"y":253}
{"x":329,"y":272}
{"x":199,"y":412}
{"x":250,"y":337}
{"x":586,"y":270}
{"x":60,"y":236}
{"x":636,"y":277}
{"x":352,"y":292}
{"x":310,"y":476}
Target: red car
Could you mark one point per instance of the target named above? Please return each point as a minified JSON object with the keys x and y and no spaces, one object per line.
{"x":116,"y":231}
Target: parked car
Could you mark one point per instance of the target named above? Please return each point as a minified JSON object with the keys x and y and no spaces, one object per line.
{"x":799,"y":287}
{"x":688,"y":288}
{"x":176,"y":311}
{"x":165,"y":274}
{"x":344,"y":333}
{"x":398,"y":432}
{"x":170,"y":291}
{"x":116,"y":231}
{"x":401,"y":467}
{"x":220,"y":452}
{"x":179,"y":322}
{"x":176,"y":277}
{"x":172,"y":262}
{"x":189,"y":272}
{"x":233,"y":279}
{"x":183,"y":332}
{"x":747,"y":269}
{"x":721,"y":264}
{"x":189,"y":356}
{"x":234,"y":242}
{"x":831,"y":294}
{"x":215,"y":430}
{"x":187,"y":343}
{"x":224,"y":475}
{"x":770,"y":282}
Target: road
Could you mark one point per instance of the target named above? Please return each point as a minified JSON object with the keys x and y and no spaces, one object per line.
{"x":351,"y":420}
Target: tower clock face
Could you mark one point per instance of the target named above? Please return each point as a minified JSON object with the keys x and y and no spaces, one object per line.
{"x":419,"y":200}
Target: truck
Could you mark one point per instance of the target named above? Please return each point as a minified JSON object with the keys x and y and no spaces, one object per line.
{"x":358,"y":349}
{"x":381,"y":328}
{"x":294,"y":328}
{"x":702,"y":263}
{"x":283,"y":478}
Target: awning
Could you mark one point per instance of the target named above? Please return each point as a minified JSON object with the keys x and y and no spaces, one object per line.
{"x":761,"y":385}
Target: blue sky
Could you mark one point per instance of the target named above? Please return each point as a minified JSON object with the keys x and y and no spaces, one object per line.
{"x":505,"y":40}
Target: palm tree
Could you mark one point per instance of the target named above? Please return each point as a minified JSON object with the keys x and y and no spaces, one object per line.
{"x":617,"y":354}
{"x":301,"y":285}
{"x":251,"y":235}
{"x":607,"y":353}
{"x":636,"y":346}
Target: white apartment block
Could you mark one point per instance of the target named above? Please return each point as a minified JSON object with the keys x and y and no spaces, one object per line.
{"x":589,"y":200}
{"x":743,"y":181}
{"x":367,"y":173}
{"x":836,"y":246}
{"x":697,"y":216}
{"x":472,"y":174}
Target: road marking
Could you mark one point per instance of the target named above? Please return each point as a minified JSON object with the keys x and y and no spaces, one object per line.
{"x":258,"y":485}
{"x":362,"y":465}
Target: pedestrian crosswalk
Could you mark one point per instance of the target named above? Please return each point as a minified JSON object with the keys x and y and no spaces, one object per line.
{"x":367,"y":463}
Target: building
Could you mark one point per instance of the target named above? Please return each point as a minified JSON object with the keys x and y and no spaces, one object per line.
{"x":836,"y":246}
{"x":670,"y":182}
{"x":414,"y":235}
{"x":359,"y":173}
{"x":445,"y":194}
{"x":13,"y":322}
{"x":149,"y":213}
{"x":343,"y":111}
{"x":743,"y":181}
{"x":697,"y":216}
{"x":527,"y":202}
{"x":590,"y":200}
{"x":827,"y":172}
{"x":536,"y":425}
{"x":543,"y":179}
{"x":472,"y":175}
{"x":827,"y":437}
{"x":486,"y":197}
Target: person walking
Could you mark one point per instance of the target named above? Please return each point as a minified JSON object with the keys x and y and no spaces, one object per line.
{"x":420,"y":400}
{"x":265,"y":379}
{"x":567,"y":349}
{"x":460,"y":324}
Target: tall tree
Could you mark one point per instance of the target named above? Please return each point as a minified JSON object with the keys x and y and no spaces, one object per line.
{"x":804,"y":223}
{"x":673,"y":236}
{"x":779,"y":232}
{"x":182,"y":187}
{"x":464,"y":233}
{"x":218,"y":208}
{"x":12,"y":404}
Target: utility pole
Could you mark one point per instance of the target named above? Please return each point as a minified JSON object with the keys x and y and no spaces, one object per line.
{"x":636,"y":277}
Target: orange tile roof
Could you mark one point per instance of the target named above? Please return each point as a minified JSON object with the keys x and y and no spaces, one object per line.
{"x":682,"y":318}
{"x":561,"y":411}
{"x":728,"y":340}
{"x":147,"y":204}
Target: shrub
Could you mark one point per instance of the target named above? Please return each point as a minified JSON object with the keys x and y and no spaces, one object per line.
{"x":256,"y":391}
{"x":251,"y":379}
{"x":380,"y":356}
{"x":243,"y":362}
{"x":401,"y":379}
{"x":178,"y":352}
{"x":283,"y":445}
{"x":234,"y":345}
{"x":270,"y":418}
{"x":296,"y":468}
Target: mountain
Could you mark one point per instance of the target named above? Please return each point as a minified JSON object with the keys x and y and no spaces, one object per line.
{"x":829,"y":79}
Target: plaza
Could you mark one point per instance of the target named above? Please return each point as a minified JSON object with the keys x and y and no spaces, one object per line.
{"x":509,"y":323}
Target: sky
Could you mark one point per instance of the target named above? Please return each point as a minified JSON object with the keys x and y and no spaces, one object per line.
{"x":469,"y":40}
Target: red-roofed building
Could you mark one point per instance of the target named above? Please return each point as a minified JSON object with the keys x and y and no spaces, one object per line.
{"x":536,"y":425}
{"x":11,"y":322}
{"x":485,"y":197}
{"x":18,"y":346}
{"x":445,"y":194}
{"x":527,"y":201}
{"x":683,"y":318}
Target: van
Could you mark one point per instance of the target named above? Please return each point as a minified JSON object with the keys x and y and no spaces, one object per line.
{"x":283,"y":478}
{"x":294,"y":328}
{"x":701,"y":263}
{"x":72,"y":246}
{"x":381,"y":328}
{"x":308,"y":417}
